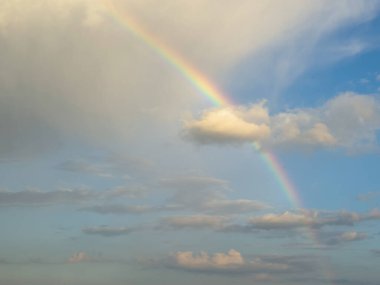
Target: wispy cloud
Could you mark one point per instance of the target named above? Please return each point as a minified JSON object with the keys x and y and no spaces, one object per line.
{"x":194,"y":222}
{"x":303,"y":219}
{"x":36,"y":197}
{"x":107,"y":231}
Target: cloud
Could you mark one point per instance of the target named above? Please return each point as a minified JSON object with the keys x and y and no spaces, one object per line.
{"x":225,"y":126}
{"x":39,"y":198}
{"x":81,"y":166}
{"x":126,"y":191}
{"x":79,"y":257}
{"x":107,"y":231}
{"x":194,"y":222}
{"x":193,"y":182}
{"x":291,"y":220}
{"x":367,"y":197}
{"x":332,"y":239}
{"x":232,"y":262}
{"x":208,"y":194}
{"x":117,"y":209}
{"x":348,"y":121}
{"x":376,"y":252}
{"x":58,"y":84}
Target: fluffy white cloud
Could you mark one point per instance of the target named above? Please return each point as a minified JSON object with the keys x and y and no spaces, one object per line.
{"x":347,"y":121}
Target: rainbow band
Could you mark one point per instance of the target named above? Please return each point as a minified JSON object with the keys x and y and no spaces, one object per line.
{"x":203,"y":85}
{"x":211,"y":92}
{"x":194,"y":76}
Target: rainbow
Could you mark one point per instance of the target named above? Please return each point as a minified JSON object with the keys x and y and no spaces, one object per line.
{"x":207,"y":89}
{"x":203,"y":85}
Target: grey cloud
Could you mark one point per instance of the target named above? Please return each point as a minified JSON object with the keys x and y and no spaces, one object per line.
{"x":193,"y":183}
{"x":333,"y":239}
{"x":376,"y":252}
{"x":208,"y":194}
{"x":82,"y":166}
{"x":39,"y":198}
{"x":119,"y":209}
{"x":107,"y":231}
{"x":194,"y":222}
{"x":302,"y":219}
{"x":132,"y":192}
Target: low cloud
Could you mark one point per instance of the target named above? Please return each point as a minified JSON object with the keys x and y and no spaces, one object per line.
{"x":194,"y":222}
{"x":193,"y":182}
{"x":132,"y":192}
{"x":79,"y":257}
{"x":82,"y":166}
{"x":119,"y":209}
{"x":40,"y":198}
{"x":303,"y":219}
{"x":367,"y":197}
{"x":333,"y":239}
{"x":233,"y":262}
{"x":349,"y":121}
{"x":107,"y":231}
{"x":208,"y":195}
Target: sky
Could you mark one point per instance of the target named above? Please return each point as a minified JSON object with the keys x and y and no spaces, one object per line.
{"x":189,"y":142}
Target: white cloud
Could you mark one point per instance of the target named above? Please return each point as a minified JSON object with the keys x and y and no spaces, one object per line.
{"x":348,"y":121}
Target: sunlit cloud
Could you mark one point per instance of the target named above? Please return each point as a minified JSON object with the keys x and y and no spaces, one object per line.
{"x":349,"y":121}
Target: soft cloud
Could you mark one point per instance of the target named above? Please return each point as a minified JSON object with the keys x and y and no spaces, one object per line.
{"x":126,"y":191}
{"x":230,"y":262}
{"x":348,"y":121}
{"x":344,"y":237}
{"x":291,"y":220}
{"x":194,"y":222}
{"x":79,"y":257}
{"x":208,"y":194}
{"x":370,"y":196}
{"x":82,"y":166}
{"x":120,"y":209}
{"x":107,"y":231}
{"x":225,"y":126}
{"x":39,"y":198}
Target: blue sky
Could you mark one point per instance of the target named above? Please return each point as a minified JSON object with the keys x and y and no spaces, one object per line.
{"x":115,"y":168}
